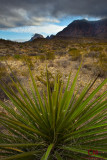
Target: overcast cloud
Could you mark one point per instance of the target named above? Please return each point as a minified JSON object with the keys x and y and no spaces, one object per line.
{"x":18,"y":13}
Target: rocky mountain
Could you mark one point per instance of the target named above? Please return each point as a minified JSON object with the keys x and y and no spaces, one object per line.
{"x":85,"y":28}
{"x":36,"y":36}
{"x":50,"y":37}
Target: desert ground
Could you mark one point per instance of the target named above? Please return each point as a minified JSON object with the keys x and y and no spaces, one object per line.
{"x":61,"y":56}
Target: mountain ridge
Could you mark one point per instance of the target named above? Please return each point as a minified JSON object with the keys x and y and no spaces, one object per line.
{"x":85,"y":28}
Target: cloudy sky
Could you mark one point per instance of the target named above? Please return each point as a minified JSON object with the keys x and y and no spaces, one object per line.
{"x":20,"y":19}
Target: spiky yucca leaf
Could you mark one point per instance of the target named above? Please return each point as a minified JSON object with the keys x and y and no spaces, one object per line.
{"x":55,"y":126}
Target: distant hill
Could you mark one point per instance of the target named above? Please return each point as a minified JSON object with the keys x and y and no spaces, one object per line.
{"x":85,"y":28}
{"x":36,"y":36}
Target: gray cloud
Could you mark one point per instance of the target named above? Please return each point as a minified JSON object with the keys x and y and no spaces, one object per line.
{"x":16,"y":13}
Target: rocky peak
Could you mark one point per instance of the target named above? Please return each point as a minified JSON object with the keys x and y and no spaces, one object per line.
{"x":36,"y":36}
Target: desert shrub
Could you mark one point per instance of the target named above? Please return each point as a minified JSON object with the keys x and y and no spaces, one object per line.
{"x":55,"y":126}
{"x":4,"y":76}
{"x":63,"y":63}
{"x":42,"y":57}
{"x":24,"y":73}
{"x":2,"y":70}
{"x":50,"y":55}
{"x":96,"y":49}
{"x":42,"y":50}
{"x":21,"y":46}
{"x":43,"y":79}
{"x":97,"y":70}
{"x":28,"y":60}
{"x":61,"y":52}
{"x":101,"y":65}
{"x":51,"y":64}
{"x":17,"y":56}
{"x":4,"y":58}
{"x":105,"y":49}
{"x":103,"y":60}
{"x":87,"y":66}
{"x":75,"y":54}
{"x":94,"y":52}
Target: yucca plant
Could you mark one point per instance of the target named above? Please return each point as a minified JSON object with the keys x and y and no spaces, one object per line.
{"x":57,"y":126}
